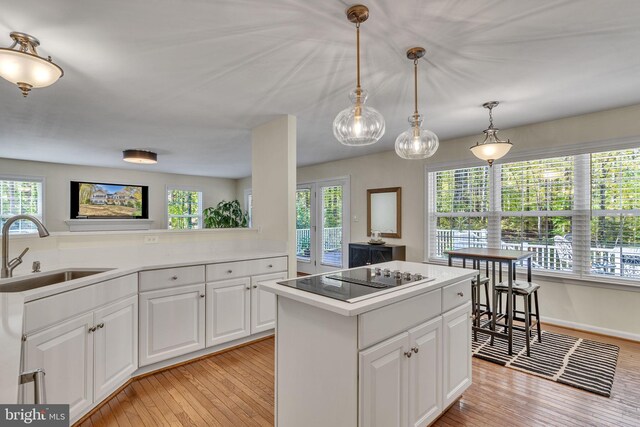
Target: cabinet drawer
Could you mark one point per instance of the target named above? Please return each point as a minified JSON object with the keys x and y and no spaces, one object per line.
{"x":377,"y":325}
{"x":228,"y":270}
{"x":171,"y":277}
{"x":269,"y":265}
{"x":51,"y":310}
{"x":456,"y":294}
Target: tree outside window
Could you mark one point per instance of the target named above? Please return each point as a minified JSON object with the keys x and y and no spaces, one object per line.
{"x":184,"y":209}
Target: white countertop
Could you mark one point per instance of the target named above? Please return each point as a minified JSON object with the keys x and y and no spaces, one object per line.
{"x":116,"y":271}
{"x":442,"y":276}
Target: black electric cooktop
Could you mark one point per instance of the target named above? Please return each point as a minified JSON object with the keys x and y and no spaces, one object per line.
{"x":354,"y":285}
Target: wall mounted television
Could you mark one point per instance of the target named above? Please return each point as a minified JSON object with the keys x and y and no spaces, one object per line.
{"x":99,"y":200}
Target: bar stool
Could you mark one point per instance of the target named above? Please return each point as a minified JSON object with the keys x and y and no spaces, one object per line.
{"x":526,"y":290}
{"x":479,"y":308}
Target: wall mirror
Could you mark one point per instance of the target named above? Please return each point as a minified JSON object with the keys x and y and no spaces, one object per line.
{"x":384,"y":211}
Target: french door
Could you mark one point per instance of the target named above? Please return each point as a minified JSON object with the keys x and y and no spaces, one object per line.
{"x":322,"y":225}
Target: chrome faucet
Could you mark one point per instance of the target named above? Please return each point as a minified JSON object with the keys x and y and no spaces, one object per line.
{"x":9,"y":266}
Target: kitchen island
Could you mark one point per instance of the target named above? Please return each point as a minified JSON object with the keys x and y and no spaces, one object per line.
{"x":397,"y":357}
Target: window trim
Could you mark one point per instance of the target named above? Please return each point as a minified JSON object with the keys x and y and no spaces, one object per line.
{"x":183,"y":188}
{"x":32,"y":178}
{"x":581,"y":214}
{"x":247,"y":206}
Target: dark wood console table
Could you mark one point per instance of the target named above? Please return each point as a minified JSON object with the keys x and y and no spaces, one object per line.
{"x":365,"y":254}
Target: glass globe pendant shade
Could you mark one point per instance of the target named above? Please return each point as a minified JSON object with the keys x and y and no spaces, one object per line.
{"x":416,"y":143}
{"x":358,"y":125}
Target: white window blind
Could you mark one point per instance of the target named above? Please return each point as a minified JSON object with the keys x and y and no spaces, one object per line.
{"x":461,"y":198}
{"x":537,"y":209}
{"x":184,"y":208}
{"x":615,"y":205}
{"x":20,"y":197}
{"x":578,"y":214}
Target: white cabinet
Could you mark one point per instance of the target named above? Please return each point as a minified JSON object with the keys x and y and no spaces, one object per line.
{"x":85,"y":358}
{"x":425,"y":373}
{"x":263,"y":304}
{"x":228,"y":310}
{"x":401,"y":380}
{"x":457,"y":352}
{"x":65,"y":352}
{"x":384,"y":375}
{"x":115,"y":346}
{"x":172,"y":322}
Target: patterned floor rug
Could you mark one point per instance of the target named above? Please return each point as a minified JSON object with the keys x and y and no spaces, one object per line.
{"x":580,"y":363}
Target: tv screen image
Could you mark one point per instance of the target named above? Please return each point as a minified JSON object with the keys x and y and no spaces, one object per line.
{"x":110,"y":200}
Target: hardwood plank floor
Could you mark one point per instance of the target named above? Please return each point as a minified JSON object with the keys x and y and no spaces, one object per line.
{"x":236,"y":389}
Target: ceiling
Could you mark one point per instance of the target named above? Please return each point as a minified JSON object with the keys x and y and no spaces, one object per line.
{"x":190,"y":78}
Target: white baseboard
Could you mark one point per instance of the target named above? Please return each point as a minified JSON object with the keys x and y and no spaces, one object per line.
{"x":591,"y":328}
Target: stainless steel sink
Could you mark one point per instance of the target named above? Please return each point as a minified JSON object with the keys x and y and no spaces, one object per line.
{"x":27,"y":283}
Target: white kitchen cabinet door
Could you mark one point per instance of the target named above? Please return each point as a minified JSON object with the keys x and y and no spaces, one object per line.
{"x":65,"y":352}
{"x":425,"y":373}
{"x":171,"y":322}
{"x":384,"y":383}
{"x":228,"y":310}
{"x":457,"y":353}
{"x":263,"y":304}
{"x":115,"y":345}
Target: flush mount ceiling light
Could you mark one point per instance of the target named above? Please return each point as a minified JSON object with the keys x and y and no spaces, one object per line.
{"x":140,"y":156}
{"x":23,"y":66}
{"x":416,"y":142}
{"x":358,"y":125}
{"x":492,"y":148}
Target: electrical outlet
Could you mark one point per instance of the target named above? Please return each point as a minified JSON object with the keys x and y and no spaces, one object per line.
{"x":151,"y":239}
{"x":355,"y":218}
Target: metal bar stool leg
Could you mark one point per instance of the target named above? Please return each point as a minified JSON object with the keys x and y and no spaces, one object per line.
{"x":527,"y":323}
{"x":538,"y":327}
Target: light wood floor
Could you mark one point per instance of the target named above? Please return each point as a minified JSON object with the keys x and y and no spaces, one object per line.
{"x":236,"y":389}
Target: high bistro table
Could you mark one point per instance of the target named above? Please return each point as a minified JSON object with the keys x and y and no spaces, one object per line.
{"x":493,"y":256}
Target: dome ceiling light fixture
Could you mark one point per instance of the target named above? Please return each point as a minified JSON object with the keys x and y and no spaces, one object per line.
{"x":23,"y":66}
{"x":142,"y":157}
{"x":416,"y":142}
{"x":358,"y":125}
{"x":492,"y":148}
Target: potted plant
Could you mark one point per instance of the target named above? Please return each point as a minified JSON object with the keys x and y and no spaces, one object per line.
{"x":225,"y":215}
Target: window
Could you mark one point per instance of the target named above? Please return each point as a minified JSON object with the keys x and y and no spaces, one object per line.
{"x":462,"y":208}
{"x":578,"y":214}
{"x":20,"y":196}
{"x":615,"y":205}
{"x":248,"y":205}
{"x":184,"y":208}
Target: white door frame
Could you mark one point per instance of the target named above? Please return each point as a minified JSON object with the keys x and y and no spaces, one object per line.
{"x":314,"y":265}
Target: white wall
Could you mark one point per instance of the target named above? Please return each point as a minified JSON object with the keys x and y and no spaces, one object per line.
{"x":58,"y":176}
{"x":573,"y":303}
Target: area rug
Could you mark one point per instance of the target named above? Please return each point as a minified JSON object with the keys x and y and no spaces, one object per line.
{"x":584,"y":364}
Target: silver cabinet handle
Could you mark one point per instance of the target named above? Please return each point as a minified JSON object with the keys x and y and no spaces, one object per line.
{"x":255,"y":286}
{"x":100,"y":325}
{"x":408,"y":353}
{"x":201,"y":295}
{"x":92,"y":329}
{"x":415,"y":349}
{"x":248,"y":288}
{"x":174,"y":278}
{"x":229,"y":271}
{"x":270,"y":266}
{"x":460,"y":294}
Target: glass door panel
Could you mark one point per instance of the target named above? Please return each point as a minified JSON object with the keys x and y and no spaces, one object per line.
{"x":332,"y":222}
{"x":305,"y":229}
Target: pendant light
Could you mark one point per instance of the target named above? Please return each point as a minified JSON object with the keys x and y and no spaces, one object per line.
{"x":492,"y":148}
{"x":140,"y":156}
{"x":416,"y":142}
{"x":23,"y":66}
{"x":358,"y":125}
